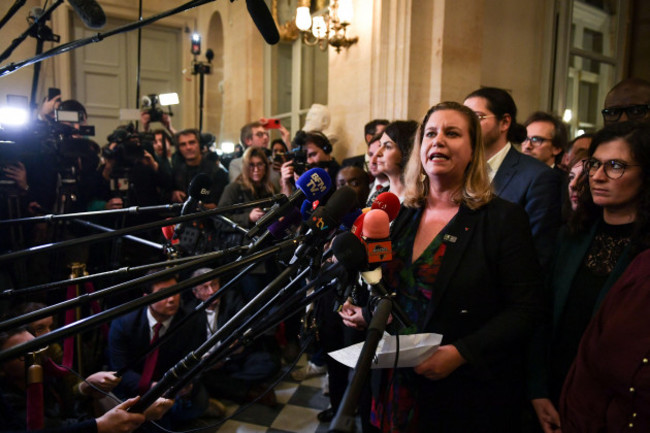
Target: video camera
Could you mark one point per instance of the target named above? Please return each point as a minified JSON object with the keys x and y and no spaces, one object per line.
{"x":129,"y":146}
{"x":298,"y":154}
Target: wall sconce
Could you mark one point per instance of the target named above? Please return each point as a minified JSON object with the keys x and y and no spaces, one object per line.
{"x":328,"y":29}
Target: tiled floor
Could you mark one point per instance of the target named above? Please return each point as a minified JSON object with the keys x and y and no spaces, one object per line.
{"x":298,"y":405}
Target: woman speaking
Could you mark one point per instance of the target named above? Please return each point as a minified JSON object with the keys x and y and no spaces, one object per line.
{"x":463,"y":266}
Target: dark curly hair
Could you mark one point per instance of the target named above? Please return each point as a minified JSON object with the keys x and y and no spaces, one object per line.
{"x":637,"y":136}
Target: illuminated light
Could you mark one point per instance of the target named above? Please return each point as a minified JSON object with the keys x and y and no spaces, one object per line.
{"x":196,"y":37}
{"x":580,"y":132}
{"x":13,"y":116}
{"x":303,"y":18}
{"x":568,"y":115}
{"x":345,"y":11}
{"x":227,"y":147}
{"x":168,"y":98}
{"x":319,"y":28}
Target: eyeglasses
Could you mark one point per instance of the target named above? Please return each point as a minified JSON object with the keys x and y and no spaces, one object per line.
{"x":613,"y":169}
{"x":259,"y":165}
{"x":261,"y":134}
{"x":633,"y":112}
{"x":536,"y":140}
{"x":482,"y":117}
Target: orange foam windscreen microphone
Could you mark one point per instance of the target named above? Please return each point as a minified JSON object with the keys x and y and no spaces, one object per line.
{"x":389,"y":203}
{"x":376,"y":235}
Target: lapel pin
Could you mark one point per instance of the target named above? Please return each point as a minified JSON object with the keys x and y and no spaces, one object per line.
{"x":450,"y":238}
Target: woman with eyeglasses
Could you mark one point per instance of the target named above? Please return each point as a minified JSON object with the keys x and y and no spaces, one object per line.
{"x":253,"y":183}
{"x":610,"y":226}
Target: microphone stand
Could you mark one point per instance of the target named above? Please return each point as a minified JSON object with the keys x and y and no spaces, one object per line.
{"x":12,"y":11}
{"x":142,"y":227}
{"x":37,"y":22}
{"x":194,"y":362}
{"x":119,"y":310}
{"x":146,"y":242}
{"x":124,"y":270}
{"x":12,"y":67}
{"x":344,"y":421}
{"x":202,"y":306}
{"x":133,"y":210}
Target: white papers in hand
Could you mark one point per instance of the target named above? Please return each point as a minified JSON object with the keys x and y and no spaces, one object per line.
{"x":413,"y":349}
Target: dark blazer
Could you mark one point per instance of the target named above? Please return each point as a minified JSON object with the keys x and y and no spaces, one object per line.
{"x":537,"y":188}
{"x":569,"y":255}
{"x":486,"y":303}
{"x":129,"y":337}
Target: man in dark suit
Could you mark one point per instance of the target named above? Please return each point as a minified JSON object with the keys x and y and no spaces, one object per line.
{"x":131,"y":335}
{"x":516,"y":177}
{"x":242,"y":377}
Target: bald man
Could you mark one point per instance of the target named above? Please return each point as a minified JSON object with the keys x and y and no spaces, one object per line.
{"x":628,"y":100}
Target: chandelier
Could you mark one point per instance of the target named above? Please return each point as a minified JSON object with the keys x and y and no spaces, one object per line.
{"x":327,"y":29}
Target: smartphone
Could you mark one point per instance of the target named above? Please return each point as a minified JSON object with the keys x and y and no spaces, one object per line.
{"x":52,"y":93}
{"x":272,"y":124}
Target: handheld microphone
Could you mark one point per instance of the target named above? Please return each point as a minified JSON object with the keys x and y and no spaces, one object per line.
{"x":312,"y":185}
{"x":263,"y":19}
{"x":198,"y":190}
{"x":376,"y":235}
{"x":388,"y":202}
{"x":325,"y":220}
{"x":90,"y":12}
{"x":357,"y":227}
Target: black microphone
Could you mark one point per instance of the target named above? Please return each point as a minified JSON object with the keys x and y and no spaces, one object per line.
{"x":262,"y":18}
{"x":90,"y":12}
{"x":198,"y":190}
{"x":312,"y":185}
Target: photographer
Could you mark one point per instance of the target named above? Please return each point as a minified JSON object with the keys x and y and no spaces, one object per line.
{"x":131,"y":175}
{"x":311,"y":149}
{"x":156,"y":115}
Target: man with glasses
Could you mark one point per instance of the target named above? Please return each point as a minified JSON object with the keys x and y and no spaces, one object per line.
{"x":253,"y":134}
{"x":628,"y":100}
{"x":546,"y":138}
{"x":516,"y":177}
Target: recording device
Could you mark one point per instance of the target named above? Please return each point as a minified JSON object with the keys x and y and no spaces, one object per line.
{"x":311,"y":186}
{"x":270,"y":123}
{"x":151,"y":105}
{"x":298,"y":155}
{"x":52,"y":93}
{"x":129,"y":146}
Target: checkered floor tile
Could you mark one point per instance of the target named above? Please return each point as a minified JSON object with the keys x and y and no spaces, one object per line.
{"x":298,"y":405}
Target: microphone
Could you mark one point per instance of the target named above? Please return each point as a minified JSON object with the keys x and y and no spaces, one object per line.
{"x":358,"y":225}
{"x":376,"y":235}
{"x":263,"y":19}
{"x":388,"y":202}
{"x":198,"y":190}
{"x":312,"y":185}
{"x":90,"y":12}
{"x":325,"y":220}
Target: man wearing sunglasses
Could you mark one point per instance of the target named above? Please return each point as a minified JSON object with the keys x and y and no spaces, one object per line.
{"x":628,"y":100}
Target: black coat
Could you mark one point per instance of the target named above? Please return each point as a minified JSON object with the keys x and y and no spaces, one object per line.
{"x":486,"y":301}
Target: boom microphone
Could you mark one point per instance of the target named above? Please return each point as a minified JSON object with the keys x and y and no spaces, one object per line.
{"x":263,"y":19}
{"x":90,"y":12}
